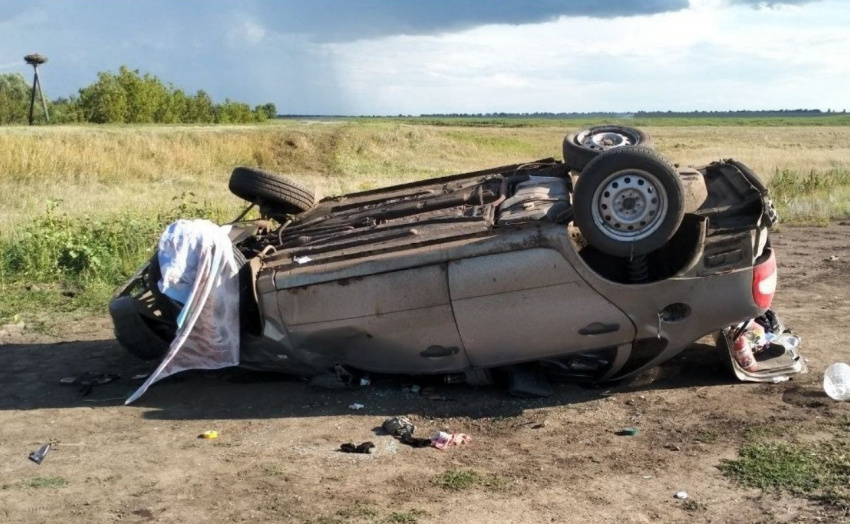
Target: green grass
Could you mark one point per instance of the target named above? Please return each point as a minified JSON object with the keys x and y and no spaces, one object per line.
{"x":39,"y":483}
{"x":707,"y":437}
{"x":820,"y":471}
{"x":405,"y":517}
{"x":463,"y":479}
{"x":457,"y":479}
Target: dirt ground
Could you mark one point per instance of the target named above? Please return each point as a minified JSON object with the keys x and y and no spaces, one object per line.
{"x":276,"y":460}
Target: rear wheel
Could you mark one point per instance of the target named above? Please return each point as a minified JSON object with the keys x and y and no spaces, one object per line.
{"x":583,"y":145}
{"x":628,"y":201}
{"x":275,"y":194}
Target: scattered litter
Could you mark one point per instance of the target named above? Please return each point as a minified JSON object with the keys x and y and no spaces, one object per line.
{"x":673,"y":447}
{"x":750,"y":340}
{"x":415,"y":389}
{"x":647,"y":477}
{"x":356,"y":406}
{"x":87,"y":381}
{"x":397,"y":425}
{"x":365,"y":381}
{"x":443,"y":440}
{"x":209,"y":435}
{"x":140,"y":376}
{"x":302,"y":260}
{"x":364,"y":448}
{"x":681,"y":495}
{"x":628,"y":432}
{"x":836,"y":381}
{"x":403,"y":428}
{"x":38,"y":455}
{"x":831,"y":258}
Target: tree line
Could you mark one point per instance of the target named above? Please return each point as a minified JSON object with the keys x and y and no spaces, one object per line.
{"x":127,"y":97}
{"x":744,"y":113}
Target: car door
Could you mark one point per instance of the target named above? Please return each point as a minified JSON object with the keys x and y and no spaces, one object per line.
{"x":394,"y":322}
{"x":527,"y":305}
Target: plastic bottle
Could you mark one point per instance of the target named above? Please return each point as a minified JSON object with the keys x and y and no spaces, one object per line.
{"x":836,"y":381}
{"x":743,"y":353}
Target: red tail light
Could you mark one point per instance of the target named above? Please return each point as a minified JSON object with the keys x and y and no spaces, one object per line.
{"x":764,"y":282}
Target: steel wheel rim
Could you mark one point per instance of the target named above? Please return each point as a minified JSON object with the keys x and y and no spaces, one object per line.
{"x":629,"y":205}
{"x":604,"y":140}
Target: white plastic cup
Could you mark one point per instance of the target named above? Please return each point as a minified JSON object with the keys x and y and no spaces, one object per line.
{"x":836,"y":381}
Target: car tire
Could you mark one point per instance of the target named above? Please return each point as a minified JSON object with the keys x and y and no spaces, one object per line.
{"x":584,"y":144}
{"x":139,"y":333}
{"x":272,"y":192}
{"x":629,"y":201}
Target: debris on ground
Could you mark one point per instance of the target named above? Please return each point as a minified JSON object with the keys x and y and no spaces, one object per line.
{"x":397,"y":425}
{"x":87,"y":381}
{"x":681,"y":495}
{"x":365,"y":382}
{"x":628,"y":432}
{"x":836,"y":381}
{"x":208,"y":435}
{"x":443,"y":440}
{"x":364,"y":448}
{"x":356,"y":406}
{"x":38,"y":455}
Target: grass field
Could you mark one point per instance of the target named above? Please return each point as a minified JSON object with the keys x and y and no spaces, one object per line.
{"x":110,"y":189}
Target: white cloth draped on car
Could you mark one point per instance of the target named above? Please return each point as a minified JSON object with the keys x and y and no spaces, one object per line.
{"x":198,"y":269}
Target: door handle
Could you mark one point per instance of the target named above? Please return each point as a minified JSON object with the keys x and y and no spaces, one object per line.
{"x":598,"y":328}
{"x":439,"y":352}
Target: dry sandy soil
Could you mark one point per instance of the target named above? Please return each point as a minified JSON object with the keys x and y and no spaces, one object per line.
{"x":276,"y":457}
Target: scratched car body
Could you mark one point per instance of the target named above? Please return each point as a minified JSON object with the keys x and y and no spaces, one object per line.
{"x":514,"y":267}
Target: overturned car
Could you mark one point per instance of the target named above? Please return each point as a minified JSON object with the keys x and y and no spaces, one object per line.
{"x":597,"y":267}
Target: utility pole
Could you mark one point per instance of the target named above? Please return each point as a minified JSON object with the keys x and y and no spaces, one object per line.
{"x":36,"y":60}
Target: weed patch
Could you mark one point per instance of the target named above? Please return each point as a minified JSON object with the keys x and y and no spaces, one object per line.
{"x":39,"y":482}
{"x":463,"y":479}
{"x":68,"y":263}
{"x":811,"y":198}
{"x":820,"y":471}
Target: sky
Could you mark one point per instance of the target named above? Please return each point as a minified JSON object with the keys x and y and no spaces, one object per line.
{"x":389,"y":57}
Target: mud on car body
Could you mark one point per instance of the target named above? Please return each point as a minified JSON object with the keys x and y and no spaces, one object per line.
{"x":597,"y":267}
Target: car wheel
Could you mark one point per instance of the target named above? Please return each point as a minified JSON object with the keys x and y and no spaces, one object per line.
{"x":139,"y":327}
{"x":275,"y":193}
{"x":628,"y":201}
{"x":583,"y":145}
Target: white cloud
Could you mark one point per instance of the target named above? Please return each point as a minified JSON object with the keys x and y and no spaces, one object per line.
{"x":246,"y":33}
{"x":710,"y":56}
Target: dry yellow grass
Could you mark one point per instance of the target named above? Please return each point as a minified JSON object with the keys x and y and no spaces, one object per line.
{"x":102,"y":170}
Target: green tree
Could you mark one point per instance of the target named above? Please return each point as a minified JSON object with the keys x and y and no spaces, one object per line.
{"x":200,"y":109}
{"x":14,"y":99}
{"x":231,"y":112}
{"x":105,"y":101}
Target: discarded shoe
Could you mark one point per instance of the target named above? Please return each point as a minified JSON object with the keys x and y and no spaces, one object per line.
{"x":364,"y":448}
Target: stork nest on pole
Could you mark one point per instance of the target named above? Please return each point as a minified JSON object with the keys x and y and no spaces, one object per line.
{"x":35,"y":59}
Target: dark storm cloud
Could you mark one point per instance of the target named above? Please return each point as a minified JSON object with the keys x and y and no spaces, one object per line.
{"x":218,"y":44}
{"x":335,"y":20}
